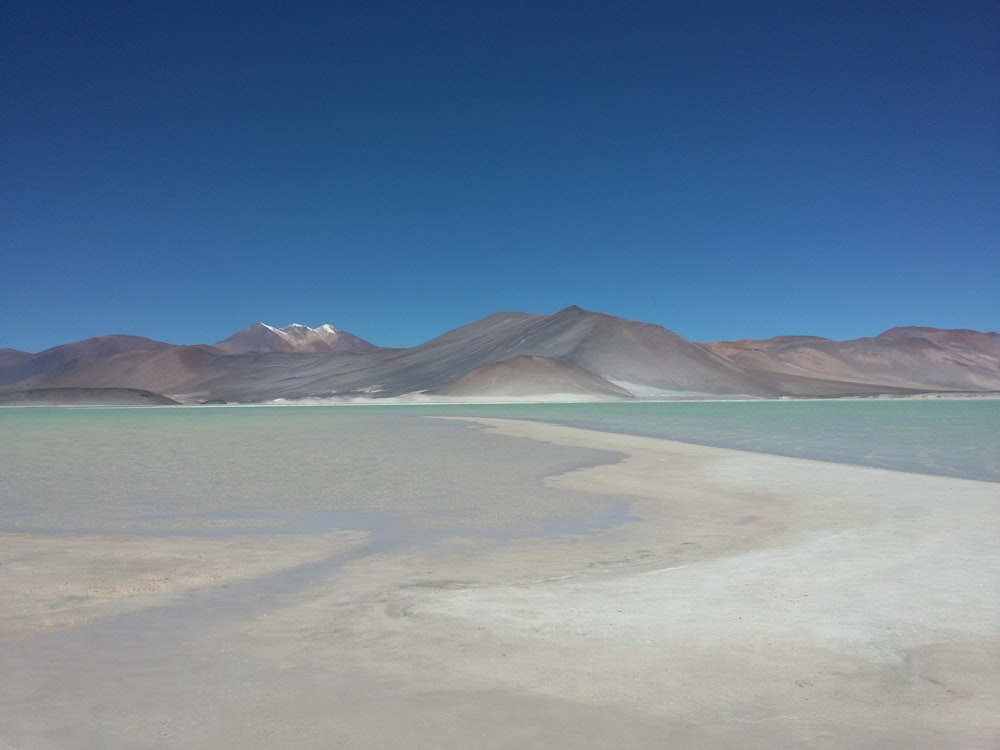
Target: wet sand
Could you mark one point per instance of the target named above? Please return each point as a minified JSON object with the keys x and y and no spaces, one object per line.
{"x":647,"y":594}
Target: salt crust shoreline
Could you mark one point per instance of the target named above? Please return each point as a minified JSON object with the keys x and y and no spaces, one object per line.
{"x":756,"y":601}
{"x":421,"y":399}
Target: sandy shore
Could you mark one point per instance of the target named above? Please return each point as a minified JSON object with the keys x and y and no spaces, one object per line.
{"x":746,"y":601}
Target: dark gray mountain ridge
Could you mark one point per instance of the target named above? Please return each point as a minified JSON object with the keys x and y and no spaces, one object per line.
{"x":572,"y":351}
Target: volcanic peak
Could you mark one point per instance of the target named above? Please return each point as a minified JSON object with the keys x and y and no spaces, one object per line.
{"x":261,"y":337}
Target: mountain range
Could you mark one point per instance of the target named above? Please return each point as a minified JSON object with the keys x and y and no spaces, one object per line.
{"x":572,"y":353}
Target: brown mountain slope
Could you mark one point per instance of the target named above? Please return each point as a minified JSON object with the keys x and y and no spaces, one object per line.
{"x":649,"y":358}
{"x":519,"y":353}
{"x":12,"y":356}
{"x":59,"y":360}
{"x":910,"y":358}
{"x":530,"y":376}
{"x":163,"y":371}
{"x":632,"y":355}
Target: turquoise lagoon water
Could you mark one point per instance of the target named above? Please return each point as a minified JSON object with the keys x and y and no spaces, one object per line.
{"x":959,"y":438}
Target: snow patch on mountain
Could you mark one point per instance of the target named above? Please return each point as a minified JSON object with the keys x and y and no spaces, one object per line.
{"x":262,"y":337}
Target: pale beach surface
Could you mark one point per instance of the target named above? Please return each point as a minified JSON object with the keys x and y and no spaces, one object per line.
{"x":439,"y":583}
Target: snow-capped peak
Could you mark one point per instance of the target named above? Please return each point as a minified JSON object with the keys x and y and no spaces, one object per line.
{"x":294,"y":337}
{"x":301,"y":332}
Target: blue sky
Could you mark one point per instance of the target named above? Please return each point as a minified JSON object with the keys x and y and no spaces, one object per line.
{"x":726,"y":169}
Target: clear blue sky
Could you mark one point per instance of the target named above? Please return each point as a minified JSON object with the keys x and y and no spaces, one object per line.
{"x":180,"y":170}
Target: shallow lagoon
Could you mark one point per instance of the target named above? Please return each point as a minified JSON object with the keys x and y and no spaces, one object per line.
{"x":288,"y":470}
{"x":949,"y":437}
{"x":259,"y":452}
{"x":370,"y":577}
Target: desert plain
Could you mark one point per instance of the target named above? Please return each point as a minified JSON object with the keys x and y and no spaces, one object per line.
{"x":386,"y":582}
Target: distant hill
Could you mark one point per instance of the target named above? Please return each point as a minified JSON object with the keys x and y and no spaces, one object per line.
{"x":525,"y":376}
{"x":84,"y":397}
{"x":51,"y":363}
{"x":11,"y":356}
{"x":903,"y":358}
{"x":573,"y":352}
{"x":161,"y":371}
